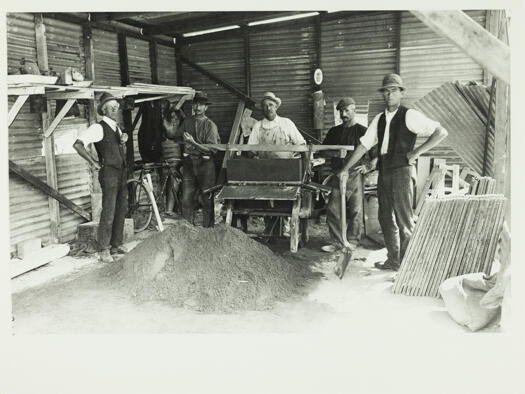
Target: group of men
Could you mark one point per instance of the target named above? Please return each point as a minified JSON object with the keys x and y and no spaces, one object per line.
{"x":394,"y":131}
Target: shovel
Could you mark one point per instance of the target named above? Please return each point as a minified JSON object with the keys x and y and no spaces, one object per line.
{"x":345,"y":258}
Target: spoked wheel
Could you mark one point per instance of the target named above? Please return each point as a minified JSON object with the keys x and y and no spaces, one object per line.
{"x":139,"y":206}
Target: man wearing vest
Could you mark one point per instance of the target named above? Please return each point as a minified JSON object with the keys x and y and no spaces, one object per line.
{"x":198,"y":161}
{"x":395,"y":131}
{"x":347,"y":133}
{"x":109,"y":143}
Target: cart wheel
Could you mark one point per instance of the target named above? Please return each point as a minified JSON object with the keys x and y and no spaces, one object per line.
{"x":139,"y":205}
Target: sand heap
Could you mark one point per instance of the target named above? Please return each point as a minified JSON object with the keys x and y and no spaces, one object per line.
{"x":219,"y":269}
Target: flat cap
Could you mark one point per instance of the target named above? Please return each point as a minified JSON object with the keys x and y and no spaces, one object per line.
{"x":344,"y":102}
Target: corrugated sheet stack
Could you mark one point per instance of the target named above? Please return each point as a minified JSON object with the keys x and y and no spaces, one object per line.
{"x":483,"y":185}
{"x":453,"y":236}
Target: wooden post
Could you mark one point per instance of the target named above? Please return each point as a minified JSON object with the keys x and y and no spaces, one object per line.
{"x":247,"y":60}
{"x":126,"y":114}
{"x":153,"y":62}
{"x":49,"y":142}
{"x":398,"y":42}
{"x":178,"y":63}
{"x":87,"y":35}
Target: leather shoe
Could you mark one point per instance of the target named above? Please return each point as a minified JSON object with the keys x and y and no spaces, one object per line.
{"x":118,"y":250}
{"x":387,"y":265}
{"x":329,"y":248}
{"x":105,"y":256}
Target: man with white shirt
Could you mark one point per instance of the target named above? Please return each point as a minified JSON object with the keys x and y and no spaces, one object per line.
{"x":395,"y":131}
{"x":109,"y":143}
{"x":274,"y":130}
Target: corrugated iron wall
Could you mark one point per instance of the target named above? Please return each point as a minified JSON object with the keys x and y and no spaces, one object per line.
{"x":428,"y":60}
{"x":225,"y":58}
{"x":28,"y":208}
{"x":356,"y":52}
{"x":166,"y":65}
{"x":21,"y":41}
{"x":281,"y":59}
{"x":107,"y":65}
{"x":138,"y":60}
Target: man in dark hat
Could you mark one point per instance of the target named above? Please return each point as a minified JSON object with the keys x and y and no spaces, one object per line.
{"x":109,"y":143}
{"x":347,"y":133}
{"x":198,"y":161}
{"x":395,"y":131}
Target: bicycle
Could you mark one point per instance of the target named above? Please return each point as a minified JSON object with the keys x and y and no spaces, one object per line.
{"x":140,"y":207}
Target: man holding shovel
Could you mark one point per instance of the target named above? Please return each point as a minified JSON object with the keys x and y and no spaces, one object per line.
{"x":395,"y":131}
{"x":347,"y":133}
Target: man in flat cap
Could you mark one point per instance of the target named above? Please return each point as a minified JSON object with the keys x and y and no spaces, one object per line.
{"x":274,"y":130}
{"x":109,"y":143}
{"x":198,"y":161}
{"x":395,"y":131}
{"x":347,"y":133}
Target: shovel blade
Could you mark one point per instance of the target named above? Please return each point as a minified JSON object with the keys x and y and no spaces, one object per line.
{"x":342,"y":263}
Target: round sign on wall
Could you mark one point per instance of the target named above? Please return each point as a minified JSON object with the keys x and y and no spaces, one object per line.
{"x":318,"y":76}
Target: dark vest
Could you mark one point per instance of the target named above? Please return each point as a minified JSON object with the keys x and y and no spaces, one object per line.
{"x":109,"y":150}
{"x":400,"y":142}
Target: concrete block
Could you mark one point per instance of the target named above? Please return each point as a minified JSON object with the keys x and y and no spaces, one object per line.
{"x":87,"y":232}
{"x":96,"y":206}
{"x":35,"y":260}
{"x":129,"y":229}
{"x":28,"y":247}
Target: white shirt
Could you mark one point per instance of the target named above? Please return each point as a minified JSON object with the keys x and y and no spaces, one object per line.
{"x":95,"y":132}
{"x":415,"y":121}
{"x":280,"y":131}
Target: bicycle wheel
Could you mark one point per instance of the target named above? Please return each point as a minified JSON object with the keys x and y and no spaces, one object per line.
{"x":139,"y":206}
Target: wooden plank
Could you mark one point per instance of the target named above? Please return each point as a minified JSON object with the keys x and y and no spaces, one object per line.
{"x":30,"y":79}
{"x":27,"y":90}
{"x":277,"y":148}
{"x":126,"y":114}
{"x":471,"y":38}
{"x":235,"y":131}
{"x":229,"y":214}
{"x":262,"y":192}
{"x":294,"y":225}
{"x":79,"y":94}
{"x":47,"y":189}
{"x":44,"y":256}
{"x":63,"y":111}
{"x":423,"y":172}
{"x":15,"y":109}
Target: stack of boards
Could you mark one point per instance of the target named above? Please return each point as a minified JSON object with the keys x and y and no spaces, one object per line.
{"x":453,"y":236}
{"x":483,"y":185}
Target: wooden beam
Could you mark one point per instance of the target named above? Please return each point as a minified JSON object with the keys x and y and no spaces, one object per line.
{"x":79,"y":94}
{"x":502,"y":138}
{"x":249,"y":101}
{"x":15,"y":109}
{"x":25,"y":90}
{"x":45,"y":188}
{"x":235,"y":131}
{"x":153,"y":62}
{"x":178,"y":63}
{"x":398,"y":42}
{"x":470,"y":37}
{"x":113,"y":16}
{"x":278,"y":148}
{"x":63,"y":111}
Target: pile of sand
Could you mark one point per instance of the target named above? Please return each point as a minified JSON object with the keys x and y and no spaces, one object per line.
{"x":219,"y":269}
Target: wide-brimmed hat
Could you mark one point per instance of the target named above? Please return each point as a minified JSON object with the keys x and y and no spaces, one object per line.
{"x":201,"y":97}
{"x":392,"y":81}
{"x":271,"y":96}
{"x":104,"y":98}
{"x":345,"y":102}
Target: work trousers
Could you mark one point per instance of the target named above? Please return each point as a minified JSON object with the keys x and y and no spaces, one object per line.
{"x":114,"y":206}
{"x":354,"y":209}
{"x":395,"y":192}
{"x":198,"y":174}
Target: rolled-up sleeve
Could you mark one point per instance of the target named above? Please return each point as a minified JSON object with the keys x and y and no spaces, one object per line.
{"x":370,"y":138}
{"x":295,"y":135}
{"x":92,"y":134}
{"x":419,"y":124}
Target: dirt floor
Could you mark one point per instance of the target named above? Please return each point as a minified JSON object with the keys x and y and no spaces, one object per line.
{"x":86,"y":300}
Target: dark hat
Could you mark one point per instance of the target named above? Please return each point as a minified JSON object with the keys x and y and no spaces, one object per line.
{"x":345,"y":102}
{"x":201,"y":97}
{"x":104,"y":98}
{"x":271,"y":96}
{"x":392,"y":81}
